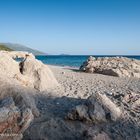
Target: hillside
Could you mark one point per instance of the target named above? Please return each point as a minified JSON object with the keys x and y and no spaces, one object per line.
{"x":18,"y":47}
{"x":3,"y":47}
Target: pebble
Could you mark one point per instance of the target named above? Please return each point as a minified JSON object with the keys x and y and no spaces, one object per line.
{"x":63,"y":72}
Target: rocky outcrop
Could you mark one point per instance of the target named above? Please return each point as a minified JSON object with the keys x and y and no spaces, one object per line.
{"x":114,"y":66}
{"x":23,"y":96}
{"x":91,"y":134}
{"x":30,"y":72}
{"x":19,"y":83}
{"x":39,"y":74}
{"x":110,"y":117}
{"x":13,"y":120}
{"x":98,"y":109}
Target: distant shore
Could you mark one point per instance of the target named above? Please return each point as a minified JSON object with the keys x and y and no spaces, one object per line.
{"x":71,"y":60}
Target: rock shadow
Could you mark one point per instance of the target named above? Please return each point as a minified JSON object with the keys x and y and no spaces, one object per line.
{"x":57,"y":106}
{"x":53,"y":125}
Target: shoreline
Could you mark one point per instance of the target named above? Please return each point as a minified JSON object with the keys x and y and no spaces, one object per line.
{"x":75,"y":62}
{"x":81,"y":85}
{"x":65,"y":66}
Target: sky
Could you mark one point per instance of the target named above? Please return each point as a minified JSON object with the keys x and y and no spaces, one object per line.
{"x":82,"y":27}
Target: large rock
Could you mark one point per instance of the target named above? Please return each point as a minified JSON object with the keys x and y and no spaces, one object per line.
{"x":114,"y":66}
{"x":30,"y":72}
{"x":39,"y":74}
{"x":111,"y":110}
{"x":99,"y":108}
{"x":20,"y":82}
{"x":23,"y":96}
{"x":13,"y":120}
{"x":17,"y":104}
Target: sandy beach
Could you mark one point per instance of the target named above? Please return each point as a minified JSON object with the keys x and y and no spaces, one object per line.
{"x":81,"y":85}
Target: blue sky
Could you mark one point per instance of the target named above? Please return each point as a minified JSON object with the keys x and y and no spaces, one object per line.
{"x":72,"y":26}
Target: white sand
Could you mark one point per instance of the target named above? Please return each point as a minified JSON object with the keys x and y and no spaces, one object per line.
{"x":81,"y":85}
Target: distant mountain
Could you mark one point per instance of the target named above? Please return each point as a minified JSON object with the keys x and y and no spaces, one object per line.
{"x":18,"y":47}
{"x":4,"y":48}
{"x":65,"y":54}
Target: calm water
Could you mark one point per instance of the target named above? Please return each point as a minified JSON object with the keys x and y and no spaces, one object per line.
{"x":69,"y":60}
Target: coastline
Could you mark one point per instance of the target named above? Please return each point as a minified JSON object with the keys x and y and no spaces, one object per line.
{"x":72,"y":60}
{"x":64,"y":66}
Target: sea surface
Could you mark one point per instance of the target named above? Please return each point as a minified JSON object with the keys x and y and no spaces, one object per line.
{"x":69,"y":60}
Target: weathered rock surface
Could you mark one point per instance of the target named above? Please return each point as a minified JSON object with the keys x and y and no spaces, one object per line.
{"x":13,"y":120}
{"x":91,"y":134}
{"x":39,"y":74}
{"x":23,"y":96}
{"x":30,"y":72}
{"x":99,"y":108}
{"x":114,"y":66}
{"x":19,"y":83}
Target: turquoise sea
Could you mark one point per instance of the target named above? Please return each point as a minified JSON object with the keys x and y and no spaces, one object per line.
{"x":70,"y":60}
